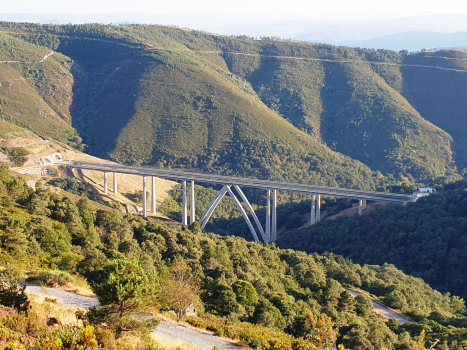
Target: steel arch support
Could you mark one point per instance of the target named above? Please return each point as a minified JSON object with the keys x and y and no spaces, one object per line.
{"x":212,"y":206}
{"x":252,"y":211}
{"x":245,"y":216}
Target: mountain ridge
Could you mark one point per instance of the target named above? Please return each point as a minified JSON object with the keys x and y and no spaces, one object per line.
{"x":307,"y":89}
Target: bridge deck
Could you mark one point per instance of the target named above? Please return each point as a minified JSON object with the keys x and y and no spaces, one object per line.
{"x":254,"y":183}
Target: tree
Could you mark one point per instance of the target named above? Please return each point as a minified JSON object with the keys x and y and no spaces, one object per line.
{"x":319,"y":331}
{"x":346,"y":302}
{"x":179,"y":290}
{"x":127,"y":288}
{"x":245,"y":292}
{"x":126,"y":293}
{"x":363,"y":305}
{"x":11,"y":292}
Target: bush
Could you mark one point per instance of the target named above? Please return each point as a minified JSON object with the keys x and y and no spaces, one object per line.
{"x":71,"y":337}
{"x":11,"y":293}
{"x":57,"y":278}
{"x":106,"y":339}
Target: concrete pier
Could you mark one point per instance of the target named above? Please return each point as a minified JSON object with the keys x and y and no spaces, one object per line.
{"x":105,"y":183}
{"x":115,"y":183}
{"x":313,"y":210}
{"x":192,"y":203}
{"x":360,"y":207}
{"x":145,"y":198}
{"x":318,"y":208}
{"x":184,"y":206}
{"x":274,"y":216}
{"x":268,"y":216}
{"x":153,"y":196}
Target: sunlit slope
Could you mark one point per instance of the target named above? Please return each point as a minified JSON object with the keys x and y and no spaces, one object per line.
{"x":36,"y":89}
{"x":195,"y":115}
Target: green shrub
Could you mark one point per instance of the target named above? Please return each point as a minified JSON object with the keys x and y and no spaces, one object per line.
{"x":11,"y":292}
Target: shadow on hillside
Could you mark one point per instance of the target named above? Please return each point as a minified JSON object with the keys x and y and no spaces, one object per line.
{"x":107,"y":78}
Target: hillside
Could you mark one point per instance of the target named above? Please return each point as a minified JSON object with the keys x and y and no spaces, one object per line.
{"x":270,"y":109}
{"x":24,"y":151}
{"x":36,"y":89}
{"x":261,"y":295}
{"x":425,"y":239}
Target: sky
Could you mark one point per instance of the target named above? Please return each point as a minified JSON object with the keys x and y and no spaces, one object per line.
{"x":277,"y":9}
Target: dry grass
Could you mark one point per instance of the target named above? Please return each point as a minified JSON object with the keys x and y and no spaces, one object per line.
{"x":50,"y":308}
{"x":77,"y":289}
{"x":169,"y":344}
{"x":127,"y":184}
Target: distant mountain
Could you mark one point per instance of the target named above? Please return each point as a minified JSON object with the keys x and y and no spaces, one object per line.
{"x":336,"y":32}
{"x":412,"y":41}
{"x":330,"y":31}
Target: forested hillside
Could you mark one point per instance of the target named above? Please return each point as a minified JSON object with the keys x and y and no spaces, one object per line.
{"x":425,"y":239}
{"x":267,"y":297}
{"x":261,"y":108}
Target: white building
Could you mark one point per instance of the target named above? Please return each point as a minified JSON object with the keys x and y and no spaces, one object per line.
{"x":424,"y":190}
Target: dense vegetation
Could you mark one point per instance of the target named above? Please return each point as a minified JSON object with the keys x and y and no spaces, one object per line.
{"x":424,"y":239}
{"x":257,"y":293}
{"x":260,"y":108}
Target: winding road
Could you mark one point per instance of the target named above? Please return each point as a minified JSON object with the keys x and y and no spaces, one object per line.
{"x":170,"y":330}
{"x":382,"y":310}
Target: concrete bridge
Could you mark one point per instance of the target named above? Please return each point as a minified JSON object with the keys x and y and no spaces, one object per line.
{"x":231,"y":183}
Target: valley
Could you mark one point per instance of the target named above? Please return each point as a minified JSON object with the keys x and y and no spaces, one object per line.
{"x":277,"y":110}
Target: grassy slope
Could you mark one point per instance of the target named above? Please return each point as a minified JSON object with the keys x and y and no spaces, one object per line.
{"x":35,"y":95}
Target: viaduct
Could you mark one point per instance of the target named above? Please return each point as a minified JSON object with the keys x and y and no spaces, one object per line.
{"x":230,"y":183}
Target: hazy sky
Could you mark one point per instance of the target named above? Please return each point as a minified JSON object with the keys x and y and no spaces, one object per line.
{"x":286,"y":9}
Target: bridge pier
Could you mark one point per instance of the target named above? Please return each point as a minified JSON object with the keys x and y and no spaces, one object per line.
{"x":268,"y":216}
{"x":153,"y":195}
{"x":145,"y":198}
{"x":192,"y":203}
{"x":318,"y":208}
{"x":184,"y":206}
{"x":313,"y":210}
{"x":274,"y":216}
{"x":105,"y":183}
{"x":115,"y":183}
{"x":360,"y":206}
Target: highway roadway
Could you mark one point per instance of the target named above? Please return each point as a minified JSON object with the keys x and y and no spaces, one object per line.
{"x":246,"y":182}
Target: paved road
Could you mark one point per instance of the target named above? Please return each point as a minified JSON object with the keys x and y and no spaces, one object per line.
{"x":383,"y":310}
{"x":192,"y":336}
{"x":66,"y":298}
{"x":166,"y":329}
